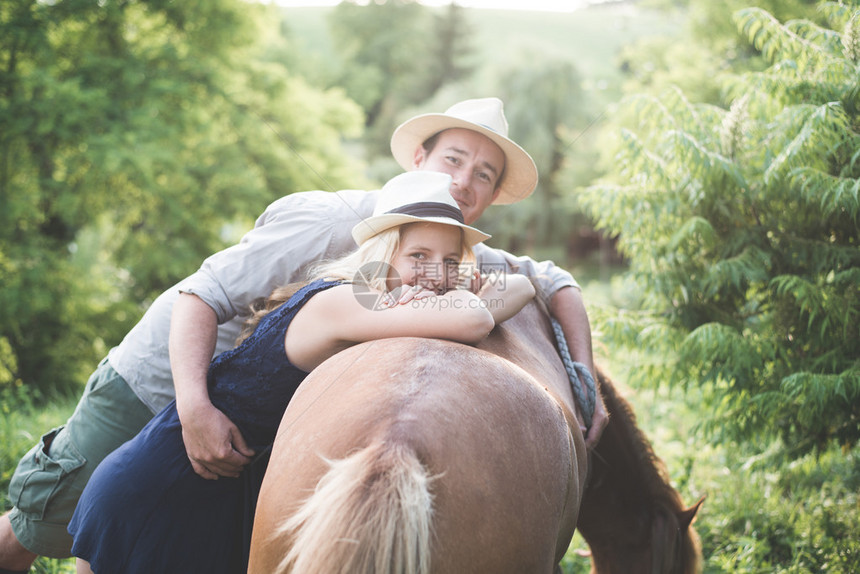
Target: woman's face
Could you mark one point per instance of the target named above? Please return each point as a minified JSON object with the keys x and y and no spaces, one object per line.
{"x":429,"y":255}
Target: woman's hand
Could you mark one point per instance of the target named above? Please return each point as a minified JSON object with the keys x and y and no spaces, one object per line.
{"x":406,"y":295}
{"x":476,"y":282}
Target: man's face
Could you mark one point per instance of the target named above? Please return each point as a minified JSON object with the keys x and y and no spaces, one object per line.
{"x":474,"y":162}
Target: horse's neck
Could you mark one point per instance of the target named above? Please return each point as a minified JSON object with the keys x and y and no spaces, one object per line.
{"x":527,"y":340}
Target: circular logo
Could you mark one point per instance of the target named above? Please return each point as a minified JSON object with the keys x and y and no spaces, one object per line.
{"x":367,"y":275}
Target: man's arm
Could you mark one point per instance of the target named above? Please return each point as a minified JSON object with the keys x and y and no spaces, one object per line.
{"x":561,"y":293}
{"x":568,"y":308}
{"x":214,"y":444}
{"x":294,"y":231}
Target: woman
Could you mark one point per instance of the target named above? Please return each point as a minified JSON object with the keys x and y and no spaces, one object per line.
{"x":146,"y":510}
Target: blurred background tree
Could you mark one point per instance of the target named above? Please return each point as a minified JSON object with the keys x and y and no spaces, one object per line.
{"x":394,"y":55}
{"x":132,"y":134}
{"x":708,"y":49}
{"x":546,"y":121}
{"x":742,"y":229}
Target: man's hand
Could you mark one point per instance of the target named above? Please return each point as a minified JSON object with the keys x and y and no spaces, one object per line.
{"x":567,"y":306}
{"x":599,"y":420}
{"x":214,"y":445}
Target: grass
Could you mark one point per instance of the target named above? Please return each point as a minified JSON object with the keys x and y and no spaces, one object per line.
{"x":21,"y":425}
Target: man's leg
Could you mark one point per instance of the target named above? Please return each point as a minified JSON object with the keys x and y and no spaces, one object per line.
{"x":13,"y":556}
{"x":50,"y":478}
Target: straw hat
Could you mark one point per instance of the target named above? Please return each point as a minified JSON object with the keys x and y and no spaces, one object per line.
{"x":411,"y":197}
{"x":485,"y":116}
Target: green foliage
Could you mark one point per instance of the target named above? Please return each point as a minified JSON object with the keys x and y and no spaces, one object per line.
{"x":395,"y":54}
{"x":742,"y":228}
{"x":762,"y":514}
{"x":709,"y":48}
{"x":763,"y":511}
{"x":150,"y":126}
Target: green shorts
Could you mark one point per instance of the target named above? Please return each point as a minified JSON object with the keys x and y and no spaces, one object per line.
{"x":50,"y":478}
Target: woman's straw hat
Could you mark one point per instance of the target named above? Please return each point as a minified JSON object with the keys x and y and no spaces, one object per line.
{"x":415,"y":196}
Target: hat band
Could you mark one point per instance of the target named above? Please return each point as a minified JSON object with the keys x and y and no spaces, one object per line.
{"x":495,"y":131}
{"x":430,"y":209}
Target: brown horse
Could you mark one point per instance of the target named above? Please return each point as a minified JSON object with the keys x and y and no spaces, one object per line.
{"x":425,"y":456}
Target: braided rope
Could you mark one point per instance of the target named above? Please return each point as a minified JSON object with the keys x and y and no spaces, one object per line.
{"x":577,"y":372}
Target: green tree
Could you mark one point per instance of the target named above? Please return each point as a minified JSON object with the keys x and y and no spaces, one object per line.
{"x":547,"y":123}
{"x":394,"y":55}
{"x":132,"y":133}
{"x":379,"y":44}
{"x":450,"y":49}
{"x":742,"y":228}
{"x":708,"y":48}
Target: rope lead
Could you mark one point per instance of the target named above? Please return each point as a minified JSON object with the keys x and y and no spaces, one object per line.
{"x":576,"y":372}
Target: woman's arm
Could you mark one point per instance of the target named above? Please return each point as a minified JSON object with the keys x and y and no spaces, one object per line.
{"x":504,"y":296}
{"x":335,"y":319}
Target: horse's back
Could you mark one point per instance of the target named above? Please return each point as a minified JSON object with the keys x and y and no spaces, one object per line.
{"x":496,"y":444}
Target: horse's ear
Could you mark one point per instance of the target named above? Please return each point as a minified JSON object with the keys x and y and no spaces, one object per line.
{"x":686,"y":516}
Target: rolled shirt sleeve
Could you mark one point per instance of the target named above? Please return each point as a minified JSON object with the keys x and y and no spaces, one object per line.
{"x":547,"y":277}
{"x":294,"y":233}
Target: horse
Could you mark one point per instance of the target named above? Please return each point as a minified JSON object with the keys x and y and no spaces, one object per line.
{"x":427,"y":456}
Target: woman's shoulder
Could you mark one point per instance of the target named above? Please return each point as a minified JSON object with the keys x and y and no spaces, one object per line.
{"x":332,"y":291}
{"x":313,"y":288}
{"x":299,"y":297}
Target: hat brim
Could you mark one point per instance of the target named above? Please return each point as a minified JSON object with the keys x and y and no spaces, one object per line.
{"x":371,"y":226}
{"x":520,"y":177}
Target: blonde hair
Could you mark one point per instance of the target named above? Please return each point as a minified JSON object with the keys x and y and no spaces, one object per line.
{"x":368,"y":265}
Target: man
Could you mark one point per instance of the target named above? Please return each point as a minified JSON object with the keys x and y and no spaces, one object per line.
{"x":469,"y":142}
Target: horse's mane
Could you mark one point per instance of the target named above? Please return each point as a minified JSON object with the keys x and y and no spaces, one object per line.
{"x":651,"y":467}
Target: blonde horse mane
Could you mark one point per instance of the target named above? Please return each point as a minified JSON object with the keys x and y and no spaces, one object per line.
{"x":370,"y":513}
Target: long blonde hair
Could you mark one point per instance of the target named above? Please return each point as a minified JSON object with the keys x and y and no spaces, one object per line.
{"x":366,"y":266}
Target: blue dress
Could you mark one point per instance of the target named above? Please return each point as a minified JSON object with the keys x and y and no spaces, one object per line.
{"x":145,"y":510}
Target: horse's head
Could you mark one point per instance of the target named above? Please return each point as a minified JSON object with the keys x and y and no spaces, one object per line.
{"x":662,"y":541}
{"x":632,"y":518}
